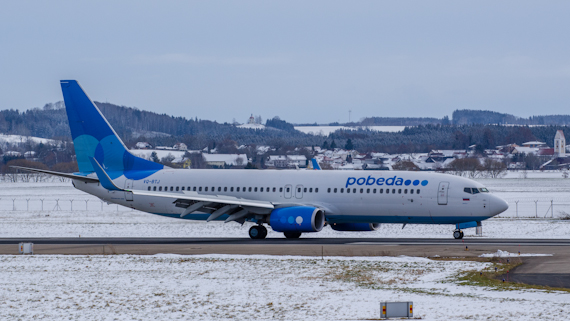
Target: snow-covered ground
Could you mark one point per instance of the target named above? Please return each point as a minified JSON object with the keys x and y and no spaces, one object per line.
{"x":326,"y":130}
{"x":224,"y":287}
{"x":92,"y":218}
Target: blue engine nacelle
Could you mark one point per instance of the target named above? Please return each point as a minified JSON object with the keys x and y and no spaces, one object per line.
{"x":297,"y":219}
{"x":355,"y":227}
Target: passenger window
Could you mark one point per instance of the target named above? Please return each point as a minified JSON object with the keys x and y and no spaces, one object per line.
{"x":418,"y":191}
{"x":387,"y":191}
{"x":182,"y":188}
{"x":238,"y":189}
{"x":393,"y":191}
{"x":310,"y":190}
{"x":149,"y":188}
{"x":225,"y":189}
{"x":305,"y":190}
{"x":194,"y":188}
{"x":288,"y":189}
{"x":200,"y":189}
{"x":171,"y":188}
{"x":274,"y":190}
{"x":406,"y":191}
{"x":250,"y":189}
{"x":255,"y":189}
{"x":298,"y":190}
{"x":206,"y":189}
{"x":399,"y":191}
{"x":231,"y":189}
{"x":411,"y":191}
{"x":342,"y":190}
{"x":335,"y":190}
{"x":160,"y":188}
{"x":154,"y":188}
{"x":316,"y":190}
{"x":368,"y":190}
{"x":374,"y":191}
{"x":354,"y":190}
{"x":381,"y":191}
{"x":348,"y":190}
{"x":362,"y":190}
{"x":329,"y":190}
{"x":177,"y":188}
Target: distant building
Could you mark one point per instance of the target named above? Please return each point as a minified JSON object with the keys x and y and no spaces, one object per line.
{"x":534,"y":144}
{"x":220,"y":160}
{"x":180,"y":146}
{"x":559,"y":144}
{"x":251,"y":120}
{"x":143,"y":145}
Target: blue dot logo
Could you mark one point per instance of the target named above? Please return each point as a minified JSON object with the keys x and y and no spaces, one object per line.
{"x":424,"y":183}
{"x":407,"y":182}
{"x":290,"y":220}
{"x":416,"y":182}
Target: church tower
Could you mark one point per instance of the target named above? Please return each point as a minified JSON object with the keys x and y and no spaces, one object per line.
{"x":559,"y":144}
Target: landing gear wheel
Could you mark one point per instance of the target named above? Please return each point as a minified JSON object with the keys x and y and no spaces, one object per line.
{"x":257,"y":232}
{"x":292,"y":235}
{"x":457,"y":234}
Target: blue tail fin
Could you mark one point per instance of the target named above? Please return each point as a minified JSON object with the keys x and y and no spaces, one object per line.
{"x":94,"y":137}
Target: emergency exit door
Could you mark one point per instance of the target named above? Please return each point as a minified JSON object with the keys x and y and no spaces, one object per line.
{"x":442,"y":193}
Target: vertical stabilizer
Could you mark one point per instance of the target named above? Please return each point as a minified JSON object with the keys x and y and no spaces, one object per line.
{"x":94,"y":137}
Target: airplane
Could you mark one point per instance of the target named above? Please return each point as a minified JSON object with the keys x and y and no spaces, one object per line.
{"x":289,"y":201}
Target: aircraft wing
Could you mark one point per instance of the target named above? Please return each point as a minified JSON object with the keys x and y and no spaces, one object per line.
{"x":216,"y":205}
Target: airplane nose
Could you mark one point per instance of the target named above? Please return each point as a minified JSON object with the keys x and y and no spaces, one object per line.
{"x":498,"y":205}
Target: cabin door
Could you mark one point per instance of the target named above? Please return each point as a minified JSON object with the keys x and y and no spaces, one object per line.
{"x":299,"y":191}
{"x":129,"y":186}
{"x":288,"y":191}
{"x":442,"y":193}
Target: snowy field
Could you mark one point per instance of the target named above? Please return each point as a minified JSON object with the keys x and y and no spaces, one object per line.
{"x":326,"y":130}
{"x":21,"y":214}
{"x":225,"y":287}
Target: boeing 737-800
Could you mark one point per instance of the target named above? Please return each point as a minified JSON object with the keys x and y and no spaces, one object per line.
{"x":289,"y":201}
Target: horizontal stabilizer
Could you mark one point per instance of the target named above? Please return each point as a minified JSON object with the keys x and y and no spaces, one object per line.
{"x":66,"y":175}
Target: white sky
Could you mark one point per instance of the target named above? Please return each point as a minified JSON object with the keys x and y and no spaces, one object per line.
{"x":303,"y":61}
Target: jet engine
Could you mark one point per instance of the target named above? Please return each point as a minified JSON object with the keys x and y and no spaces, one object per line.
{"x":355,"y":227}
{"x":297,"y":219}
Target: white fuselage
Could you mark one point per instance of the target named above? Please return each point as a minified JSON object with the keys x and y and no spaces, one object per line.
{"x":413,"y":197}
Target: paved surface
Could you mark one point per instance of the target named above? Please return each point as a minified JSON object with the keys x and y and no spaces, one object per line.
{"x":547,"y":270}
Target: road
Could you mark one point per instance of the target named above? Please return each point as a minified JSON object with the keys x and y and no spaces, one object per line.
{"x":545,"y":270}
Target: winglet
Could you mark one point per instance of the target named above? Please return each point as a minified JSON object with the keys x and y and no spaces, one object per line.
{"x":315,"y":164}
{"x":106,"y":182}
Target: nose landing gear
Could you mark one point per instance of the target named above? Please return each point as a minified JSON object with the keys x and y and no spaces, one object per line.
{"x":257,"y":232}
{"x":458,"y":234}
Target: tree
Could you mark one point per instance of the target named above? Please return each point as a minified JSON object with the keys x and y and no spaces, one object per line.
{"x":333,"y":145}
{"x":325,"y":145}
{"x":405,"y":165}
{"x":154,"y":157}
{"x":348,"y":145}
{"x":494,"y":168}
{"x":465,"y":166}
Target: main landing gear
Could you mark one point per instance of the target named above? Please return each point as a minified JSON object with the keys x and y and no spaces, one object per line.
{"x":458,"y":234}
{"x":257,"y":232}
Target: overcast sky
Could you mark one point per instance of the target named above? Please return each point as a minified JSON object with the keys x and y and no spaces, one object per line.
{"x":305,"y":61}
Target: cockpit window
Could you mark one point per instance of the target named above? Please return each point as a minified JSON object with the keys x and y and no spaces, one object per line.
{"x":475,"y":191}
{"x":467,"y":190}
{"x":484,"y":190}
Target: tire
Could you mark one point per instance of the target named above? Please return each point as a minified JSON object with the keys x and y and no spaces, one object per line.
{"x":458,"y":235}
{"x":254,"y":232}
{"x":263,"y":232}
{"x":292,"y":235}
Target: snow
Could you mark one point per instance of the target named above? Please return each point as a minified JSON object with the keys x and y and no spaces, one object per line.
{"x":326,"y":130}
{"x":160,"y":153}
{"x":222,"y":287}
{"x":251,"y":126}
{"x":501,"y":253}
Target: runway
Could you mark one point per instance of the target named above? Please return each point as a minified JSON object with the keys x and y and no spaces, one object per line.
{"x":544,"y":270}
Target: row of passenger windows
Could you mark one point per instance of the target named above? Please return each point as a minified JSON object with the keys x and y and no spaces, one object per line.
{"x":231,"y":189}
{"x":373,"y":190}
